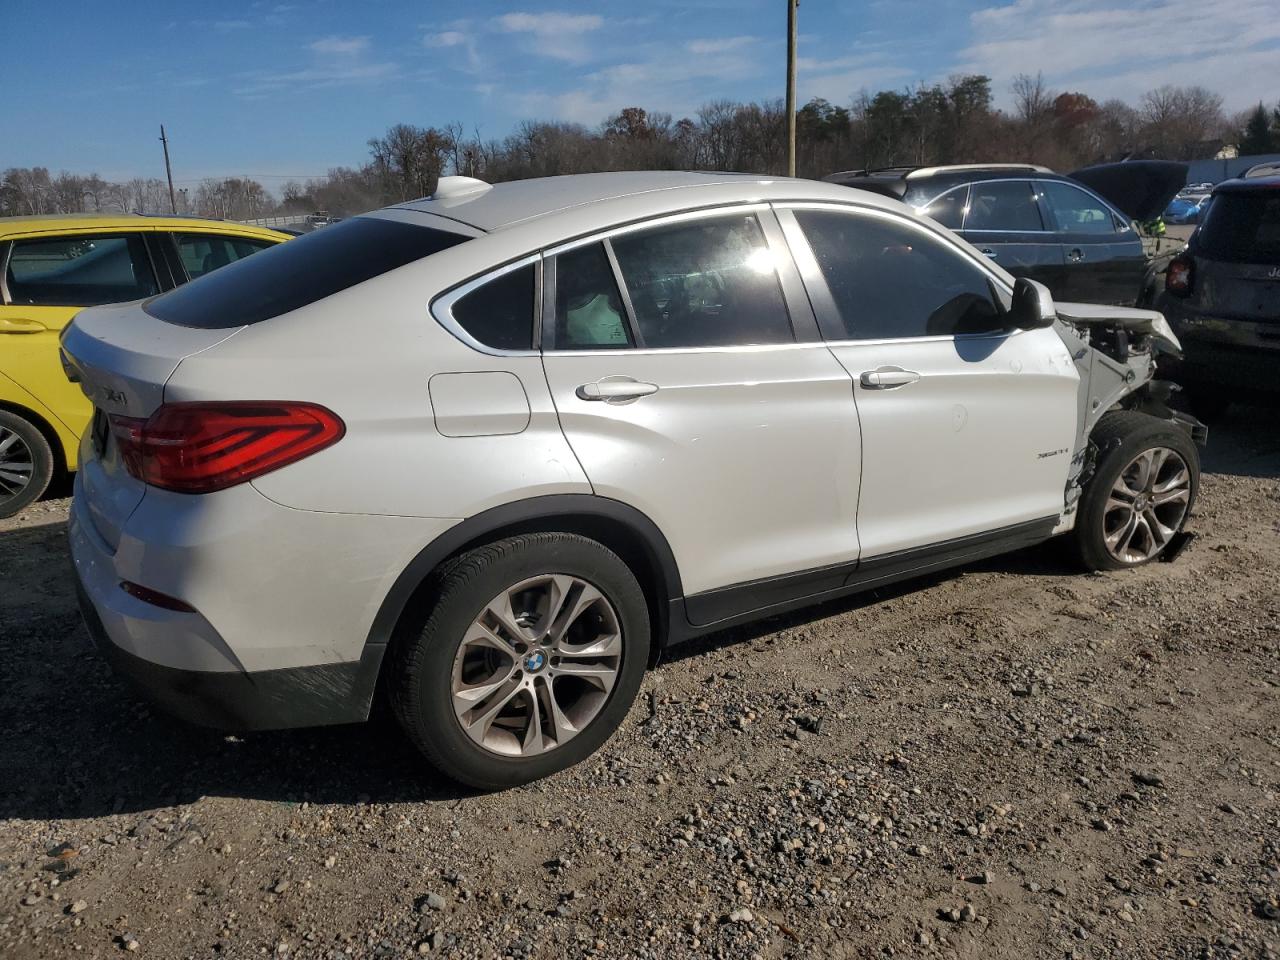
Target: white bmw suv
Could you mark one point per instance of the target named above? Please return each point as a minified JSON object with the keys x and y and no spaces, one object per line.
{"x":489,"y":453}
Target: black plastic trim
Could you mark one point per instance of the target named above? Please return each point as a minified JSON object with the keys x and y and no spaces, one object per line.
{"x":512,"y":516}
{"x":312,"y":696}
{"x":716,"y":609}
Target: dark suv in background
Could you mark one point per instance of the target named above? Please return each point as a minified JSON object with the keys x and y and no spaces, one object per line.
{"x":1078,"y":235}
{"x":1222,"y":296}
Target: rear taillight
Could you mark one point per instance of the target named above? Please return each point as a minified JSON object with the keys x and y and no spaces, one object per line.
{"x":1178,"y":278}
{"x":202,"y":447}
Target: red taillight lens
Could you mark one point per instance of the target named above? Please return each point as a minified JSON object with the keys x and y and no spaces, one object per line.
{"x":1177,"y":279}
{"x":202,"y":447}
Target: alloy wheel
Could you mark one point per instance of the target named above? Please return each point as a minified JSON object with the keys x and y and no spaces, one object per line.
{"x":17,"y":464}
{"x":537,"y":665}
{"x":1147,"y":505}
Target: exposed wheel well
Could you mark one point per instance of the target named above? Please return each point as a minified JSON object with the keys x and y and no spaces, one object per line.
{"x":46,"y":430}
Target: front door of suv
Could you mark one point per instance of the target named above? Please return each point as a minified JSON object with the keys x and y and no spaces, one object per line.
{"x":692,"y":384}
{"x":967,"y":428}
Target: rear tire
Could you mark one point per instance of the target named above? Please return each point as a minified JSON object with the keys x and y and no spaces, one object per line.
{"x":532,"y":653}
{"x":1143,"y":488}
{"x":26,"y":463}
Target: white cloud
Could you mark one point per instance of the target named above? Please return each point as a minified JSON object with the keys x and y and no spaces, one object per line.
{"x":449,"y":38}
{"x":559,"y":36}
{"x":341,"y":46}
{"x":1122,"y":51}
{"x":721,"y":45}
{"x":549,"y":24}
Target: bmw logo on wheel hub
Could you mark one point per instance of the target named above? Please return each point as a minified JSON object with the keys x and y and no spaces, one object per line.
{"x":535,"y":661}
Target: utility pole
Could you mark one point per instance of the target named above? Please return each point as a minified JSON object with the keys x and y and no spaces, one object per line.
{"x":792,"y":5}
{"x":168,"y":172}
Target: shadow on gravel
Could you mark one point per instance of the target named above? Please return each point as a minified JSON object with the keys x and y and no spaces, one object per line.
{"x":79,"y":743}
{"x":1244,"y":442}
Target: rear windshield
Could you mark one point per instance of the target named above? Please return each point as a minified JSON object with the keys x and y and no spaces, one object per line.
{"x":298,"y":272}
{"x":1242,"y":228}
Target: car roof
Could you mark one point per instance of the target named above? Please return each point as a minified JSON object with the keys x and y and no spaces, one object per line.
{"x":1249,"y":185}
{"x":592,"y":201}
{"x":52,"y":222}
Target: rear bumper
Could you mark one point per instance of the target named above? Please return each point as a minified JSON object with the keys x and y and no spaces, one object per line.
{"x":281,"y":605}
{"x":237,"y":700}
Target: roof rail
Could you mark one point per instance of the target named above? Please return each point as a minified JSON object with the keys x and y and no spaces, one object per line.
{"x":962,"y":167}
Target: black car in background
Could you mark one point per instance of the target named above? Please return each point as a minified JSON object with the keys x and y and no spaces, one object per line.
{"x":1078,"y":235}
{"x":1222,"y":296}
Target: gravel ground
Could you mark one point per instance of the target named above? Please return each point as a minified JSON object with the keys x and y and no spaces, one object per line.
{"x":1013,"y":760}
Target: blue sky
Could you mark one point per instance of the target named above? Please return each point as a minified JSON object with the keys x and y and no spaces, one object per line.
{"x":289,"y":88}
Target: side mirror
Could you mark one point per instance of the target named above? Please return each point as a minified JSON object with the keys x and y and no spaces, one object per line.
{"x":1032,"y":307}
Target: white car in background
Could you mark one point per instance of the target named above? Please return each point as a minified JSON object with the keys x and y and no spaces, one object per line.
{"x":494,"y":450}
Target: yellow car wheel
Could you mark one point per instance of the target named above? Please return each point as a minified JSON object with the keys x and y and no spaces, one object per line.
{"x":26,"y":463}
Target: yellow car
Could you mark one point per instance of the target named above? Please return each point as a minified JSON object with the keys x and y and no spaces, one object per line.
{"x":51,"y":267}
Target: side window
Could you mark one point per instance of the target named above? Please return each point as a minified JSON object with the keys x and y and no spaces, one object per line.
{"x":708,"y":283}
{"x":890,"y":281}
{"x":500,"y":313}
{"x":205,"y":252}
{"x":589,"y":310}
{"x":1076,"y":211}
{"x":1003,"y":205}
{"x":948,"y":209}
{"x":80,"y":271}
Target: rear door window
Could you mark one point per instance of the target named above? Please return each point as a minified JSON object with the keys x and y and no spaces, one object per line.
{"x":948,"y":209}
{"x":1241,"y":228}
{"x":1007,"y":205}
{"x":706,"y":283}
{"x":79,"y":271}
{"x":205,"y":252}
{"x":590,"y":314}
{"x":299,"y":272}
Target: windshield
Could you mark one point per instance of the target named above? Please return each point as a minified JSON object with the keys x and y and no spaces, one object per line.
{"x":1241,"y":228}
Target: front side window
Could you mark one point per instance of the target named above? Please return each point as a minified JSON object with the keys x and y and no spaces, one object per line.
{"x":500,"y":313}
{"x":1076,"y":211}
{"x":948,"y":209}
{"x":589,"y":310}
{"x":706,"y":283}
{"x":205,"y":252}
{"x":79,"y":271}
{"x":891,"y":281}
{"x":1008,"y":205}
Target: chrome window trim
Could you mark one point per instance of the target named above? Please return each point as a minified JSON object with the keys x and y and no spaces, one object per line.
{"x":441,"y":308}
{"x":797,"y":240}
{"x":4,"y":272}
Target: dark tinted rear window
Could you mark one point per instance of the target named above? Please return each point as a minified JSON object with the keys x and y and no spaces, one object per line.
{"x":298,"y":272}
{"x":1241,"y":228}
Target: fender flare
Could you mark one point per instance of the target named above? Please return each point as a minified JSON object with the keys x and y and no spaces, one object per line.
{"x":516,"y":516}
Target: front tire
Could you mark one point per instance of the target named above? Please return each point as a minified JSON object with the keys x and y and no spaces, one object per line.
{"x":532,"y":653}
{"x":1143,"y":487}
{"x":26,"y":463}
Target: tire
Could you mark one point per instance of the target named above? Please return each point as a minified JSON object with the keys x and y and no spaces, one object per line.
{"x":26,"y":463}
{"x":438,"y":674}
{"x":1158,"y":504}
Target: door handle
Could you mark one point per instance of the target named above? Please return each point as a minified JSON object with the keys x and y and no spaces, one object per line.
{"x":887,"y":378}
{"x":988,"y":252}
{"x":1075,"y":255}
{"x":616,"y":391}
{"x":21,"y":325}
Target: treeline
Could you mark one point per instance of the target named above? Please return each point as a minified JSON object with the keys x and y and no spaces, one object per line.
{"x":952,"y":122}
